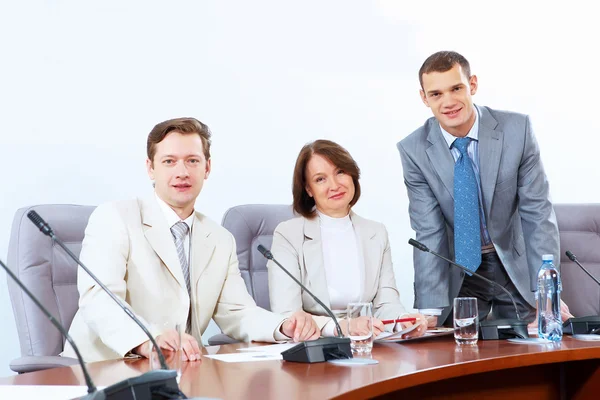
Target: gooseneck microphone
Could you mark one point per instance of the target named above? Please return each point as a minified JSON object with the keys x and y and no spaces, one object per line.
{"x":319,"y":350}
{"x":582,"y":325}
{"x":268,"y":255}
{"x":92,"y":392}
{"x":47,"y":230}
{"x":491,"y":329}
{"x":573,"y":258}
{"x":158,"y":384}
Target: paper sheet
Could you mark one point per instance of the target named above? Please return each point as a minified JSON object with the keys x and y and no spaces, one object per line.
{"x":246,"y":356}
{"x":271,"y":348}
{"x":46,"y":392}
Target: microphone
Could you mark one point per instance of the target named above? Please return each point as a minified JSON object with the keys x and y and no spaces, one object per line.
{"x":581,"y":325}
{"x":322,"y":349}
{"x":573,"y":258}
{"x":490,"y":330}
{"x":93,"y":393}
{"x":161,"y":382}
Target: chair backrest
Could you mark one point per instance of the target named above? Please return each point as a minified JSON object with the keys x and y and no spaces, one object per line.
{"x":579,"y":228}
{"x":48,"y":273}
{"x":251,"y":225}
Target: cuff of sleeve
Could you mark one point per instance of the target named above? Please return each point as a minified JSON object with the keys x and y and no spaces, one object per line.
{"x":278,"y":335}
{"x":328,"y":329}
{"x":431,"y":311}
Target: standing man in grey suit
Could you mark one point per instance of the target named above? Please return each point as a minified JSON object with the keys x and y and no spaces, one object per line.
{"x":478,"y":194}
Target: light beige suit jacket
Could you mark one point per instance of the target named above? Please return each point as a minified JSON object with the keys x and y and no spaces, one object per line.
{"x":297,"y":246}
{"x":129,"y":247}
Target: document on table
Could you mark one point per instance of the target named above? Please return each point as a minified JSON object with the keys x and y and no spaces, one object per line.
{"x":270,"y":348}
{"x":46,"y":392}
{"x":246,"y":356}
{"x":386,"y":337}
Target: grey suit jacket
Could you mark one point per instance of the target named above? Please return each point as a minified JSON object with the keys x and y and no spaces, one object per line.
{"x":297,"y":246}
{"x":518,"y":211}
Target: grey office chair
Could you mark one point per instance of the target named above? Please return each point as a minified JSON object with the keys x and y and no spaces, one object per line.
{"x":251,"y":225}
{"x":51,"y":276}
{"x":579,"y":228}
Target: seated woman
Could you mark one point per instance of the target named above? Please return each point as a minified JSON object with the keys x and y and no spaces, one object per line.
{"x":339,"y":256}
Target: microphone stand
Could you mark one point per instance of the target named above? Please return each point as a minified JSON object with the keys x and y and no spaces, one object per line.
{"x":93,"y":393}
{"x":319,"y":350}
{"x":582,"y":325}
{"x":490,"y":330}
{"x":153,"y":384}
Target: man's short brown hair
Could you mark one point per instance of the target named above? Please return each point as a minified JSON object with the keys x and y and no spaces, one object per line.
{"x":443,"y":61}
{"x":338,"y":156}
{"x":184,"y":126}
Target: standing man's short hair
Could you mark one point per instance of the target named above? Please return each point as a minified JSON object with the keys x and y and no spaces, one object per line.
{"x":443,"y":61}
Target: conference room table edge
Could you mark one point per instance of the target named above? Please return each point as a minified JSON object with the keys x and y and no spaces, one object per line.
{"x":521,"y":356}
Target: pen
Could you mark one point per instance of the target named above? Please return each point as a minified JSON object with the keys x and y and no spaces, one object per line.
{"x":393,"y":321}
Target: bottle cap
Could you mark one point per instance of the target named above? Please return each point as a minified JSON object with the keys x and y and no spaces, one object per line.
{"x":547,"y":257}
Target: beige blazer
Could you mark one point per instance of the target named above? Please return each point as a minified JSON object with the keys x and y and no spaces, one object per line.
{"x":129,"y":247}
{"x":297,"y":246}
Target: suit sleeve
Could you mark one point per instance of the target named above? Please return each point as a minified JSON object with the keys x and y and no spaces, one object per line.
{"x":105,"y":251}
{"x":236,"y":313}
{"x":540,"y":230}
{"x":285,"y":294}
{"x":431,"y":274}
{"x":386,"y":304}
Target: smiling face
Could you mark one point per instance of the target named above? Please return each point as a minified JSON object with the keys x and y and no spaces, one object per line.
{"x":179,"y":168}
{"x":330,"y":187}
{"x":449,"y":95}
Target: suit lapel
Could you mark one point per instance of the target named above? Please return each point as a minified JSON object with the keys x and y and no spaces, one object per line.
{"x":203,"y":247}
{"x":490,"y":150}
{"x":312,"y":250}
{"x":160,"y":239}
{"x":441,"y":158}
{"x":371,"y":254}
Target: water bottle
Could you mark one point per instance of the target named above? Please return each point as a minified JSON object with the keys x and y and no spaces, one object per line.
{"x":548,"y":300}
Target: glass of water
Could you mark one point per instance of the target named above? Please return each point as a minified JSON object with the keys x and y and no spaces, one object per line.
{"x":359,"y":324}
{"x":466,"y":320}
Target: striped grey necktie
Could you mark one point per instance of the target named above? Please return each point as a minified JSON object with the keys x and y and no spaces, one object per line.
{"x":179,"y":232}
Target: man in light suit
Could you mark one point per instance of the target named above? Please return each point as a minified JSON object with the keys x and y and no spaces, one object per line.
{"x":505,"y":221}
{"x":169,"y":263}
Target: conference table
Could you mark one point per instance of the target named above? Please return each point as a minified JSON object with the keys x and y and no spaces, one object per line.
{"x":426,"y":369}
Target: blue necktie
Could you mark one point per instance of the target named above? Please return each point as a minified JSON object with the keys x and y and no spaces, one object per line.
{"x":467,"y":233}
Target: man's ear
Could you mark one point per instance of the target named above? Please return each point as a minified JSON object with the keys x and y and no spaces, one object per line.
{"x":208,"y":169}
{"x":150,"y":168}
{"x":423,"y":97}
{"x":473,"y":84}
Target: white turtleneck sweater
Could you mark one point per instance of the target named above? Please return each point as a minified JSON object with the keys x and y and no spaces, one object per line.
{"x":344,"y":264}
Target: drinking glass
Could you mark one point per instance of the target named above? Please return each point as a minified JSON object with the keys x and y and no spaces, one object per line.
{"x":466,"y":321}
{"x":359,"y":323}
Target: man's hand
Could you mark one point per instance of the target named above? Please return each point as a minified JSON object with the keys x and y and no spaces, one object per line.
{"x":301,"y":326}
{"x":565,"y":314}
{"x":360,"y":326}
{"x":432,"y":320}
{"x":421,"y":321}
{"x":168,"y":342}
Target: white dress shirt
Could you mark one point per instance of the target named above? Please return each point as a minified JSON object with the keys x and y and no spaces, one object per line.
{"x":344,"y":265}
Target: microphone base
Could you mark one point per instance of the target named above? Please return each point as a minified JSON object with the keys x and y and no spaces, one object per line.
{"x":503,"y":329}
{"x":159,"y":384}
{"x":582,"y":325}
{"x":320,"y":350}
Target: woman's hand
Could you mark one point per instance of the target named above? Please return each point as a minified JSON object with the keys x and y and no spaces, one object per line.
{"x":421,"y":320}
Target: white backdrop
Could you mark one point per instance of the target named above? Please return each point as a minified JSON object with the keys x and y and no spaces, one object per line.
{"x":82,"y":84}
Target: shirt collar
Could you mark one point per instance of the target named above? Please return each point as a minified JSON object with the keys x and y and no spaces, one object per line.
{"x":473,"y":133}
{"x":171,"y":216}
